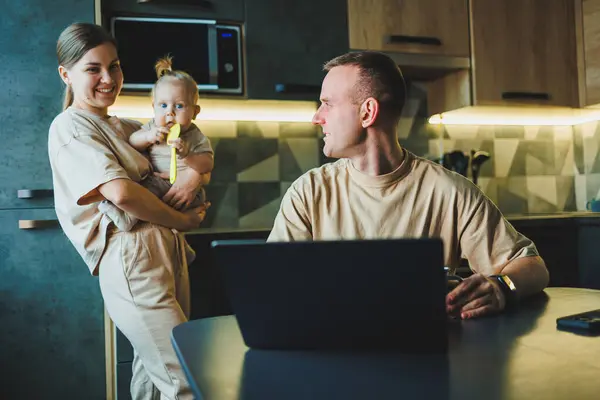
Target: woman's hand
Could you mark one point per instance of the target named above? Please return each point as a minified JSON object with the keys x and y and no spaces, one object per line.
{"x":476,"y":296}
{"x":195,"y":216}
{"x":184,"y":190}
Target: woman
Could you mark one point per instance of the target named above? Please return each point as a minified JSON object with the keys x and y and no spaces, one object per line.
{"x":143,"y":273}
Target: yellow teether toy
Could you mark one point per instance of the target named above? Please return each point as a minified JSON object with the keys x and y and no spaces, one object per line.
{"x":173,"y":134}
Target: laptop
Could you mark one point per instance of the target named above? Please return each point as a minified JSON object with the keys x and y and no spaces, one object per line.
{"x":368,"y":294}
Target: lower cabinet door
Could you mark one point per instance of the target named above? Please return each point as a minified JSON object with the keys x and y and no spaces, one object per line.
{"x":123,"y":381}
{"x":51,"y":310}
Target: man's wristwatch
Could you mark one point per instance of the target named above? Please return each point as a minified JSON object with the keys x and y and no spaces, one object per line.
{"x":508,"y":289}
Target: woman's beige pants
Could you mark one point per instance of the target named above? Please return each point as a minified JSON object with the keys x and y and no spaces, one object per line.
{"x":145,"y":284}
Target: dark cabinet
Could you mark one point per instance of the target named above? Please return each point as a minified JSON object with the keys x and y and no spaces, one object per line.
{"x":557,"y":242}
{"x":287,"y":43}
{"x":221,"y":10}
{"x":51,"y":339}
{"x":52,"y":336}
{"x":568,"y":245}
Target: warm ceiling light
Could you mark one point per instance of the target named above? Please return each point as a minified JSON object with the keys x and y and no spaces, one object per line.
{"x":521,"y":116}
{"x":225,"y":109}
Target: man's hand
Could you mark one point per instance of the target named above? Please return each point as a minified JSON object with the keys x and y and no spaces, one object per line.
{"x":476,"y":296}
{"x":184,"y":190}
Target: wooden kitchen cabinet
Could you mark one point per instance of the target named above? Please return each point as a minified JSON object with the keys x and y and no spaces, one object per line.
{"x":410,"y":26}
{"x":544,"y":52}
{"x":588,"y":49}
{"x":524,"y":50}
{"x":287,"y":43}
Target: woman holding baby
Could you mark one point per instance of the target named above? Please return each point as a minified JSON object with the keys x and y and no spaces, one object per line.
{"x":142,"y":271}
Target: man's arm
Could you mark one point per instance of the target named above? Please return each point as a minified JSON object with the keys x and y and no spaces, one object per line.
{"x":492,"y":246}
{"x":479,"y":295}
{"x":529,"y":274}
{"x":142,"y":204}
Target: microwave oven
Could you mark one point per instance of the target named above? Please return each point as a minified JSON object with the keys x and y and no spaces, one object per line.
{"x":209,"y":51}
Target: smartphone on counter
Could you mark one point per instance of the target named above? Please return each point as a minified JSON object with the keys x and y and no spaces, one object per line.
{"x":586,"y":323}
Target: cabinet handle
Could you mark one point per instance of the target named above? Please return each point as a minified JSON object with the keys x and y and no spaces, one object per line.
{"x":206,"y":4}
{"x":297,"y":88}
{"x":525,"y":96}
{"x":34,"y":193}
{"x":37,"y":223}
{"x":404,"y":39}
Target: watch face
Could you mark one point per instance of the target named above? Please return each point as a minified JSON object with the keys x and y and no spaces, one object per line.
{"x":508,"y":282}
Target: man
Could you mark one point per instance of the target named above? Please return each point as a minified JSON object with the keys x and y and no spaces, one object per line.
{"x":377,"y":189}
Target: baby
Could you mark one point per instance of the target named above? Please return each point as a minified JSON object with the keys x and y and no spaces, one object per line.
{"x":174,"y":98}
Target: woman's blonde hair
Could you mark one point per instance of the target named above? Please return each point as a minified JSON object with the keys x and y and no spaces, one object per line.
{"x":76,"y":40}
{"x":165,"y":72}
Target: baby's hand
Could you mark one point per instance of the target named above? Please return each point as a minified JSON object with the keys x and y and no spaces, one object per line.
{"x":157,"y":134}
{"x":181,"y":146}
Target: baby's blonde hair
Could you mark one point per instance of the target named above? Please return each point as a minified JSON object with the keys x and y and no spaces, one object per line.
{"x":165,"y":73}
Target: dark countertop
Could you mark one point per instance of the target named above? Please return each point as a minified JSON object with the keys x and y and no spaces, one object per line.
{"x":579,"y":217}
{"x":563,"y":217}
{"x":558,"y":214}
{"x":216,"y":231}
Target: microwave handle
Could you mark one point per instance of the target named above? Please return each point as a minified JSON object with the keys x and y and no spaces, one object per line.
{"x":205,"y":4}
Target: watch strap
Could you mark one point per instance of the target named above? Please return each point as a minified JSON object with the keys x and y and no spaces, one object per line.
{"x":508,"y":289}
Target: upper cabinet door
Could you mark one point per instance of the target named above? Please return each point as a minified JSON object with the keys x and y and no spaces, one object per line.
{"x":591,"y":49}
{"x":524,"y":51}
{"x":287,"y":43}
{"x":410,"y":26}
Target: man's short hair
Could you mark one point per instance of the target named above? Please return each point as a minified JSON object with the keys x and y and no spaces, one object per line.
{"x":379,"y":77}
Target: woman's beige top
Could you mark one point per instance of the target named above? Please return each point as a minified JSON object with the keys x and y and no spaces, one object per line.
{"x":85,"y":152}
{"x":418,"y":199}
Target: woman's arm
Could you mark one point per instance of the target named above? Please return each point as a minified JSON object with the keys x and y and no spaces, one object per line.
{"x":205,"y":178}
{"x":142,"y":204}
{"x":202,"y":163}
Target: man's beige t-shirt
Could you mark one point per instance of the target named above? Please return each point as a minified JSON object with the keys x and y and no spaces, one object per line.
{"x":85,"y":152}
{"x":419,"y":199}
{"x":160,"y":154}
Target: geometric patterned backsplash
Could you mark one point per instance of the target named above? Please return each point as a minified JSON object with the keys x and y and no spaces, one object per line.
{"x":532,"y":169}
{"x":255,"y":163}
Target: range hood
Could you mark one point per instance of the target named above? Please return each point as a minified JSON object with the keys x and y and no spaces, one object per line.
{"x":446,"y":79}
{"x":428,"y":67}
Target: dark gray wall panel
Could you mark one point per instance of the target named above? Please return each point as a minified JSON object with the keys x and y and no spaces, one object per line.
{"x":31,"y":94}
